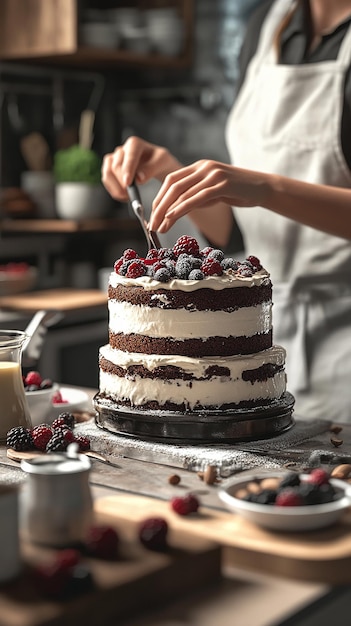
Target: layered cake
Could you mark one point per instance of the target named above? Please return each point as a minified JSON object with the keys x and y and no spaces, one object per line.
{"x":190,"y":331}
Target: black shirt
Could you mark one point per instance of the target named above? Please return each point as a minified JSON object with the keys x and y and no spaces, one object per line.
{"x":295,"y":51}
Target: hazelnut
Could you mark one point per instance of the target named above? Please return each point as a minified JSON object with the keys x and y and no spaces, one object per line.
{"x":336,"y":429}
{"x":254,"y":487}
{"x":270,"y":483}
{"x":174,"y":479}
{"x":336,"y":442}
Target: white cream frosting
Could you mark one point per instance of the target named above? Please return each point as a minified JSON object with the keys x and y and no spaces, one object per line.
{"x":182,"y":324}
{"x":188,"y":324}
{"x":227,"y":280}
{"x":216,"y":391}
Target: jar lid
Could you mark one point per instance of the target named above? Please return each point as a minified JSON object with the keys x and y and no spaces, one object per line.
{"x":56,"y":464}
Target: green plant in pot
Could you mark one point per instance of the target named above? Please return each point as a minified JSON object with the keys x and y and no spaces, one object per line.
{"x":79,"y":192}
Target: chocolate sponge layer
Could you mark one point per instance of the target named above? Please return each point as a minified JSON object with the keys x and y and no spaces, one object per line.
{"x":229,"y":299}
{"x":211,"y":346}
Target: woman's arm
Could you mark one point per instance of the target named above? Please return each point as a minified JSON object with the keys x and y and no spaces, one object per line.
{"x":207,"y":185}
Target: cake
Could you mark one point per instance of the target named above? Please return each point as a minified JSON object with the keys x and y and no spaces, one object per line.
{"x":190,"y":331}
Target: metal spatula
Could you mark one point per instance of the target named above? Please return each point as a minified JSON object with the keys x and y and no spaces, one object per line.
{"x":138,"y":208}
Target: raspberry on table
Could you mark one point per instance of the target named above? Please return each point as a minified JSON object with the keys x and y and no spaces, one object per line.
{"x":41,"y":436}
{"x":153,"y":533}
{"x":102,"y":542}
{"x":20,"y":439}
{"x":83,"y":442}
{"x":185,"y":505}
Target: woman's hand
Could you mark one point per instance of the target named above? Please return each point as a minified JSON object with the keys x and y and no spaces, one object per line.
{"x":136,"y":160}
{"x":202,"y":185}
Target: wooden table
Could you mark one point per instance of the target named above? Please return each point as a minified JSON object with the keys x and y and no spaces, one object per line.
{"x":266,"y":575}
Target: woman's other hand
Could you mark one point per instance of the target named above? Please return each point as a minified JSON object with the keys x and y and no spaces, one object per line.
{"x":137,"y":160}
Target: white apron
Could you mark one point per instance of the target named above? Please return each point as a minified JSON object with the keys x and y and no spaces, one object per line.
{"x":287,"y":120}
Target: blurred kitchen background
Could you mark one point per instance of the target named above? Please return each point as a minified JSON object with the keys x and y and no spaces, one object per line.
{"x":91,"y":73}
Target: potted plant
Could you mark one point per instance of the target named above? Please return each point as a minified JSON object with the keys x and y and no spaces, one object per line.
{"x":79,"y":192}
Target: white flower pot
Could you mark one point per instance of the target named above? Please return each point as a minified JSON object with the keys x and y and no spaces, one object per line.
{"x":76,"y":201}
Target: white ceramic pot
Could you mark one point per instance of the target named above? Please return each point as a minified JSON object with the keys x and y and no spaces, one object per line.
{"x":40,"y":186}
{"x":75,"y":201}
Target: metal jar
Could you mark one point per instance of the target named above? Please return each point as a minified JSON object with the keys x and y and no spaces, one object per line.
{"x":56,"y":506}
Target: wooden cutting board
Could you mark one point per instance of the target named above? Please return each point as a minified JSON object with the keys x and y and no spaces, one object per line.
{"x":319,"y":556}
{"x":138,"y":580}
{"x":58,"y":299}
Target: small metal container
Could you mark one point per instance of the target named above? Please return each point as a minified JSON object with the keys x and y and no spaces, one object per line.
{"x":56,"y":507}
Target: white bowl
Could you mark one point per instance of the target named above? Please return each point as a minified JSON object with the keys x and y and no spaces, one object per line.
{"x":99,"y":35}
{"x":291,"y":518}
{"x":76,"y":400}
{"x":40,"y":405}
{"x":76,"y":201}
{"x":12,"y":282}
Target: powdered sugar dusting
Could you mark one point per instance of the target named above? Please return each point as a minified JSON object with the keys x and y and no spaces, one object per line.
{"x":229,"y":458}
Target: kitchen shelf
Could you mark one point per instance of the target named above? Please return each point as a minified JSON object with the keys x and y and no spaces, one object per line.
{"x":48,"y":33}
{"x":57,"y":226}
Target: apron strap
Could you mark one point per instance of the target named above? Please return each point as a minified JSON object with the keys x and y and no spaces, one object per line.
{"x":344,"y":56}
{"x":275,"y":15}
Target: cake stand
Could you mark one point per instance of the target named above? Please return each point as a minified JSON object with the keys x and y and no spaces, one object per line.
{"x":196,"y":427}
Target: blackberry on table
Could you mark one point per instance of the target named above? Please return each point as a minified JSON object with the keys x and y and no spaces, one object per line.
{"x":20,"y":438}
{"x":57,"y":443}
{"x":68,"y":418}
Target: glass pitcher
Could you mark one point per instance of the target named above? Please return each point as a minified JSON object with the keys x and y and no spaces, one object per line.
{"x":14,"y":410}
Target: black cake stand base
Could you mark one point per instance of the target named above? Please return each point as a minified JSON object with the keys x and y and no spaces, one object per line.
{"x":196,"y":427}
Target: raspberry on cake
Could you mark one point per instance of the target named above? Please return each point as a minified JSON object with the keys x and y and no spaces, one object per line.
{"x":190,"y":330}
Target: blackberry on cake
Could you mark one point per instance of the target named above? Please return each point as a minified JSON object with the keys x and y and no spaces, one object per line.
{"x":190,"y":330}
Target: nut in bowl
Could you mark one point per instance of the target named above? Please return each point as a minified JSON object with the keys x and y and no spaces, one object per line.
{"x":288,"y":501}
